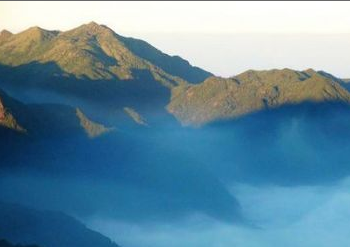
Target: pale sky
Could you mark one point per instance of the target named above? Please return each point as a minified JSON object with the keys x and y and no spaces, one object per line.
{"x":223,"y":37}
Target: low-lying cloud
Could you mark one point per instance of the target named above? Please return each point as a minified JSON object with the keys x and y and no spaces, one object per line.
{"x":304,"y":216}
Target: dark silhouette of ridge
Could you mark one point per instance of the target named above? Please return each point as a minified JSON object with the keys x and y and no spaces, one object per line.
{"x":24,"y":225}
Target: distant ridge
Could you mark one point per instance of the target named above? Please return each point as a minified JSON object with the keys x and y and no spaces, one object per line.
{"x":46,"y":119}
{"x":24,"y":225}
{"x":218,"y":98}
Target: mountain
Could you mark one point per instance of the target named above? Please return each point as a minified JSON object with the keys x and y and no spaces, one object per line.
{"x":173,"y":65}
{"x":46,"y":119}
{"x":23,"y":225}
{"x":115,"y":79}
{"x":151,"y":169}
{"x":4,"y":243}
{"x":219,"y":98}
{"x":7,"y":107}
{"x":4,"y":36}
{"x":96,"y":52}
{"x":346,"y":83}
{"x":92,"y":63}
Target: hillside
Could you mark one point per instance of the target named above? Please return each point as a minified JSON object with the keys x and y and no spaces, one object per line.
{"x":19,"y":224}
{"x":173,"y":65}
{"x":7,"y":108}
{"x":219,"y":98}
{"x":4,"y":36}
{"x":96,"y":52}
{"x":46,"y":119}
{"x":92,"y":63}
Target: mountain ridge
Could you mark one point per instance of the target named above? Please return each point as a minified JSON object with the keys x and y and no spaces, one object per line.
{"x":84,"y":38}
{"x":93,"y":64}
{"x":37,"y":119}
{"x":227,"y":98}
{"x":26,"y":225}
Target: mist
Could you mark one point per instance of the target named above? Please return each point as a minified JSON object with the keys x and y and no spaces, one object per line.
{"x":92,"y":143}
{"x":260,"y":180}
{"x":288,"y":216}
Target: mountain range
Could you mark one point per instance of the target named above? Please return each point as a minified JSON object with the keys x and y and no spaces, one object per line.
{"x":20,"y":224}
{"x":92,"y":63}
{"x":113,"y":125}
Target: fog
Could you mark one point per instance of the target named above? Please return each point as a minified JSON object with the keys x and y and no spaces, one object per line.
{"x":277,"y":177}
{"x":299,"y":216}
{"x":271,"y":178}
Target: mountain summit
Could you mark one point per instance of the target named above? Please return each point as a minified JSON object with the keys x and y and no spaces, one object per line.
{"x":4,"y":35}
{"x":96,"y":52}
{"x":91,"y":63}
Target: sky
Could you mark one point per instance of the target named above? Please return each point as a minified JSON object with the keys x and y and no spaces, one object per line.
{"x":225,"y":38}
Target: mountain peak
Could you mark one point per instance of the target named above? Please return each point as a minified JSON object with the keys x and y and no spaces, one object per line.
{"x":37,"y":33}
{"x":93,"y":27}
{"x":310,"y":71}
{"x":35,"y":29}
{"x":5,"y":33}
{"x":93,"y":24}
{"x":4,"y":36}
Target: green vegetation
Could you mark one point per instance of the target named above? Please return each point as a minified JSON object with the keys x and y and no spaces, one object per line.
{"x":173,"y":65}
{"x":93,"y":63}
{"x":94,"y":51}
{"x":218,"y":98}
